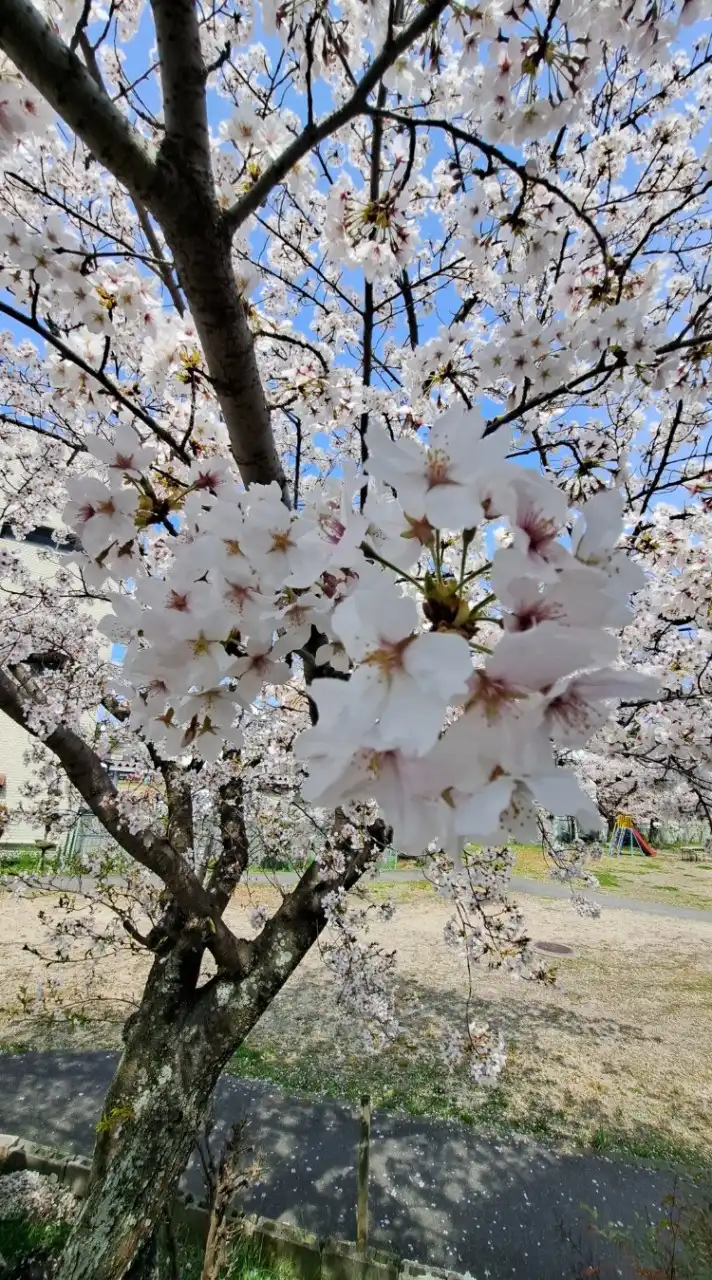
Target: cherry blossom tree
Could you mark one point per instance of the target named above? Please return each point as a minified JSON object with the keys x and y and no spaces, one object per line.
{"x":364,"y":351}
{"x":654,"y":756}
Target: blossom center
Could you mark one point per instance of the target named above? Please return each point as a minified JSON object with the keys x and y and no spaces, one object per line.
{"x":123,"y":461}
{"x":389,"y":657}
{"x":332,"y":528}
{"x":208,"y":480}
{"x":281,"y":540}
{"x":490,"y":693}
{"x":438,"y":468}
{"x":237,"y":593}
{"x":421,"y":530}
{"x":539,"y":530}
{"x":201,"y":645}
{"x":178,"y":602}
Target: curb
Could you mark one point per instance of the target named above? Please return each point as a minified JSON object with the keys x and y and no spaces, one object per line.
{"x":311,"y":1257}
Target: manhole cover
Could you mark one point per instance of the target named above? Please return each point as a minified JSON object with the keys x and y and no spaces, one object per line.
{"x":554,"y":948}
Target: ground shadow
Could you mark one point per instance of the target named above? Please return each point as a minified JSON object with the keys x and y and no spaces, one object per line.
{"x":440,"y":1192}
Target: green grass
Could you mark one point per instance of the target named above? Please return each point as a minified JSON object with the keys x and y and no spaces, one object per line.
{"x":631,"y":865}
{"x":647,"y":1143}
{"x":17,"y":1046}
{"x":251,"y":1266}
{"x":393,"y":1080}
{"x":22,"y":862}
{"x":634,"y":876}
{"x":400,"y":891}
{"x":245,"y":1260}
{"x":607,"y":880}
{"x":29,"y":861}
{"x":23,"y":1240}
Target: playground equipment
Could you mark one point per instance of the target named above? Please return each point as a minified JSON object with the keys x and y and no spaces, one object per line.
{"x":625,"y":833}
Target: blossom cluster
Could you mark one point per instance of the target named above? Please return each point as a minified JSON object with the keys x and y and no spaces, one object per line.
{"x":486,"y":922}
{"x":363,"y":971}
{"x":22,"y":111}
{"x":472,"y":617}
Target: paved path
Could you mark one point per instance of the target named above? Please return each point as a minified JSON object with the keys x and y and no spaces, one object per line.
{"x":550,"y":889}
{"x":520,"y":884}
{"x":440,"y":1192}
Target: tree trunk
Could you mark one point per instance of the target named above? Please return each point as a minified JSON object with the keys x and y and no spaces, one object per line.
{"x":156,"y":1107}
{"x":176,"y":1047}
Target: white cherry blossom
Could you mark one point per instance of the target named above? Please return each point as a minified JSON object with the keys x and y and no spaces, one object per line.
{"x":99,"y":515}
{"x":125,"y":454}
{"x":445,"y":480}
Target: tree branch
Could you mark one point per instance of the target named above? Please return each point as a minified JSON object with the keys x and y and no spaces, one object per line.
{"x":185,"y":203}
{"x":494,"y":153}
{"x":61,"y":77}
{"x":284,"y":941}
{"x":368,"y":300}
{"x":407,"y":291}
{"x":163,"y":268}
{"x":355,"y":105}
{"x":183,"y":77}
{"x":99,"y":376}
{"x":178,"y":189}
{"x":85,"y":771}
{"x":648,"y":491}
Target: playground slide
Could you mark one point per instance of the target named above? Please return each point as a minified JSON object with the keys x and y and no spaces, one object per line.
{"x":648,"y":849}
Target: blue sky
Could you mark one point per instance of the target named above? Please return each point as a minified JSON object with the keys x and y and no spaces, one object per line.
{"x":138,"y":55}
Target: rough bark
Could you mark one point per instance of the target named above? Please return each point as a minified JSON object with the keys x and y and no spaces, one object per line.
{"x":176,"y":1046}
{"x":234,"y":854}
{"x":156,"y":1105}
{"x":185,"y":202}
{"x":201,"y":249}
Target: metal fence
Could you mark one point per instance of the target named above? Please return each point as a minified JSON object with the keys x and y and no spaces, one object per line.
{"x":87,"y":842}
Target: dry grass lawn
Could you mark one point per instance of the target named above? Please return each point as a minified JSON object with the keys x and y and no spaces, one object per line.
{"x":619,"y":1051}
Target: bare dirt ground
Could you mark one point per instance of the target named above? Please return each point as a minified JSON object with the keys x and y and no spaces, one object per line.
{"x":619,"y":1049}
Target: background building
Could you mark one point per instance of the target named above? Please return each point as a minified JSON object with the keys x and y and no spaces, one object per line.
{"x":42,"y":555}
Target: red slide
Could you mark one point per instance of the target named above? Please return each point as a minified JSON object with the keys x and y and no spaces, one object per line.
{"x":648,"y":849}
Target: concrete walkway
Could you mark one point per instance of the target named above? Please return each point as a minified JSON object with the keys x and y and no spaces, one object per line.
{"x":520,"y":884}
{"x":550,"y":889}
{"x":440,"y":1192}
